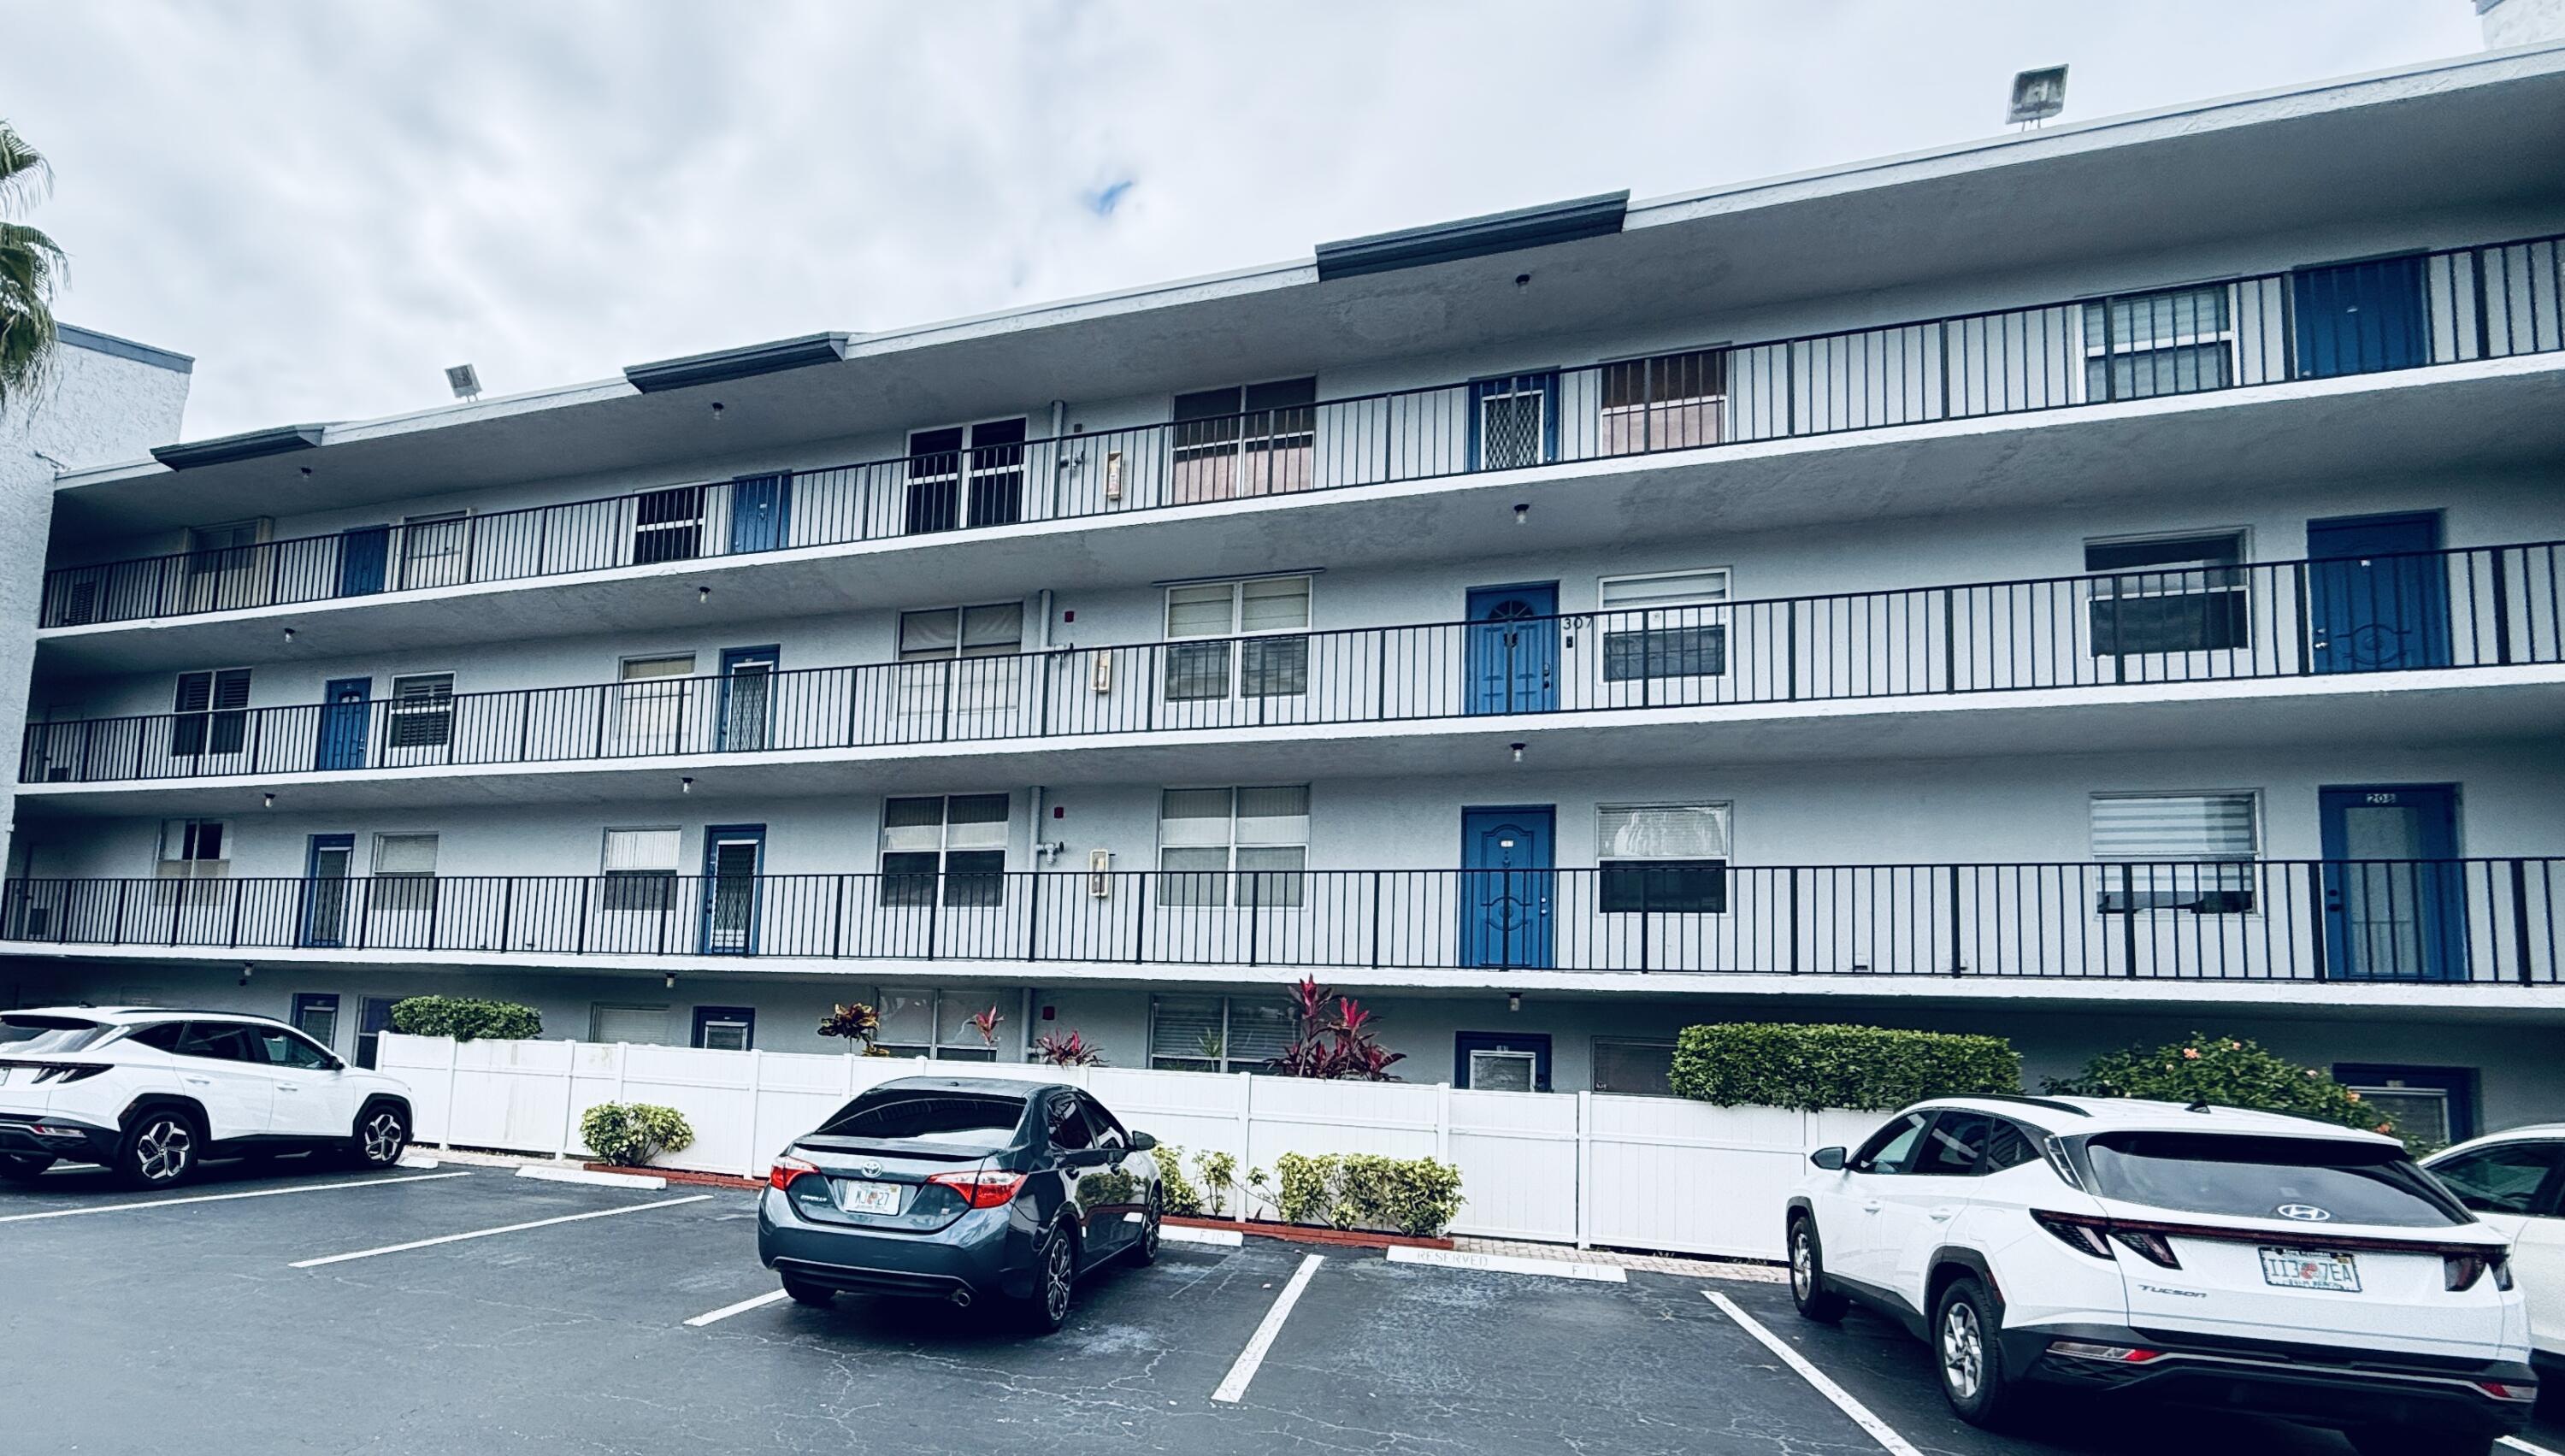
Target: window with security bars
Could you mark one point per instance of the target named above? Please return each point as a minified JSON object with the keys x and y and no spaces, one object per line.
{"x":1513,"y":421}
{"x":211,"y":714}
{"x":1666,"y":625}
{"x":1662,"y":858}
{"x":640,"y":869}
{"x":996,"y":629}
{"x":1245,"y":440}
{"x":423,"y":710}
{"x":955,"y":841}
{"x":404,"y":871}
{"x":1243,"y":847}
{"x":1217,"y":1033}
{"x":2175,"y":852}
{"x":668,"y":525}
{"x":2176,"y":342}
{"x":1268,"y":661}
{"x":2170,"y":593}
{"x":1670,"y":402}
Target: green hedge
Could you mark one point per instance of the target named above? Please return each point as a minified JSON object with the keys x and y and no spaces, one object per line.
{"x":630,"y":1134}
{"x":2227,"y":1071}
{"x":1365,"y":1191}
{"x":1808,"y":1068}
{"x":466,"y":1020}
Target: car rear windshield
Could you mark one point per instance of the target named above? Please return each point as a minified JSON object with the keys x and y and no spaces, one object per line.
{"x":2255,"y":1178}
{"x":954,"y":1119}
{"x":28,"y":1036}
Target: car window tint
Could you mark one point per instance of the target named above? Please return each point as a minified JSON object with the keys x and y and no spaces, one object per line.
{"x":2255,"y":1176}
{"x":2008,"y":1145}
{"x":280,"y":1047}
{"x":960,"y":1120}
{"x":1889,"y":1147}
{"x":1068,"y":1129}
{"x":219,"y":1041}
{"x":23,"y":1034}
{"x":1950,"y":1148}
{"x":1108,"y":1129}
{"x":2502,"y":1179}
{"x":164,"y":1036}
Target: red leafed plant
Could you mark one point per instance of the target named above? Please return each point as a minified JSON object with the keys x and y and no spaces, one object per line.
{"x":1333,"y":1038}
{"x":1073,"y":1049}
{"x":986,"y":1023}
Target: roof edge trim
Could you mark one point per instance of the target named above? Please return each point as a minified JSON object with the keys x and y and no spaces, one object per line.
{"x":283,"y":440}
{"x":1474,"y":237}
{"x":664,"y":375}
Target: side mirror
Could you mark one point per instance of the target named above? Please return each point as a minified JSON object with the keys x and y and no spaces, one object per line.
{"x":1142,"y":1142}
{"x":1830,"y":1159}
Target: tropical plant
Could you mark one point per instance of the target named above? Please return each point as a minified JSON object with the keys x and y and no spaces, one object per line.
{"x":466,"y":1019}
{"x":2226,"y":1071}
{"x":1366,"y":1191}
{"x":1072,"y":1050}
{"x":1806,"y":1068}
{"x":31,"y":266}
{"x":986,"y":1023}
{"x":859,"y":1023}
{"x":630,"y":1134}
{"x":1180,"y":1196}
{"x":1331,"y":1037}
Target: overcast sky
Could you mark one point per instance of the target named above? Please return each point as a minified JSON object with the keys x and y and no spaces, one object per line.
{"x":326,"y":203}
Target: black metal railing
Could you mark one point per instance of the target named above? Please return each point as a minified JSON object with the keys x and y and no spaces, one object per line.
{"x":2481,"y":921}
{"x":2490,"y":301}
{"x":2475,"y":607}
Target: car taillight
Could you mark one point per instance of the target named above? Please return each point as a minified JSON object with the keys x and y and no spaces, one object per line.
{"x":2153,"y":1248}
{"x":67,"y":1071}
{"x":2080,"y":1234}
{"x":2461,"y":1271}
{"x":982,"y":1189}
{"x":2117,"y":1355}
{"x":785,"y":1169}
{"x":2509,"y":1391}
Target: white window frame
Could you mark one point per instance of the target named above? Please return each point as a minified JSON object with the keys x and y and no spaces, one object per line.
{"x":938,"y":999}
{"x":663,"y":895}
{"x":2248,"y":879}
{"x":1298,"y":885}
{"x":650,"y":712}
{"x":2108,"y":349}
{"x":945,"y":874}
{"x":415,"y":890}
{"x":1234,"y":659}
{"x":1530,"y":1060}
{"x":401,"y":709}
{"x":185,"y":827}
{"x":1225,"y":1063}
{"x":1614,"y":621}
{"x":1722,"y":810}
{"x":962,"y":650}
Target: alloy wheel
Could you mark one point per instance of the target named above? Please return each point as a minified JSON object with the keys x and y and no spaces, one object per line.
{"x":384,"y":1139}
{"x":1964,"y":1354}
{"x":1055,"y":1279}
{"x":162,"y":1151}
{"x":1803,"y":1256}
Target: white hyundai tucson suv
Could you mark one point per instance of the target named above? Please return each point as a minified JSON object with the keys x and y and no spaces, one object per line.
{"x":152,"y":1093}
{"x":2210,"y":1256}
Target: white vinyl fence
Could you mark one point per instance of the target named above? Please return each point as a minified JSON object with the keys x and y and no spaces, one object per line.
{"x":1565,"y":1167}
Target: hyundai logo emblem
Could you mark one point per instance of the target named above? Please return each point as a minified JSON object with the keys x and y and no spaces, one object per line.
{"x":2305,"y":1213}
{"x":871,"y":1168}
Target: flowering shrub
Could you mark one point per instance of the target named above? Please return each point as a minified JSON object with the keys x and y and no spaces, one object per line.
{"x":2227,"y":1071}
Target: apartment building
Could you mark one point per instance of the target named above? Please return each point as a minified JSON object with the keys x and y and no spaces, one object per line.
{"x":2085,"y":585}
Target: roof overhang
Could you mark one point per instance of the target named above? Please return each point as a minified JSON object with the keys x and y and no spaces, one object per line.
{"x":737,"y":364}
{"x":255,"y":445}
{"x":1474,"y":237}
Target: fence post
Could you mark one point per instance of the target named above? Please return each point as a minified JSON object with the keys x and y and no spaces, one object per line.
{"x":756,"y":1106}
{"x":1584,"y":1168}
{"x":453,"y":1059}
{"x":1246,"y":1133}
{"x":570,"y":1096}
{"x":1442,"y":1121}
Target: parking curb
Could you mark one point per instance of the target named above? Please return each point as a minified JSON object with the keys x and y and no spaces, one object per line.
{"x":1292,"y":1233}
{"x":582,"y":1175}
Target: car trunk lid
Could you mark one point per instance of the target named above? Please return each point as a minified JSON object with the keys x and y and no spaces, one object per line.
{"x":882,"y":1183}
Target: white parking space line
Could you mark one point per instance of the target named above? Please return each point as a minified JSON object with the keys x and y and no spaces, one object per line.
{"x":1217,"y":1238}
{"x":1234,"y":1388}
{"x":514,"y":1228}
{"x":551,"y":1174}
{"x":87,"y":1209}
{"x":1880,"y":1431}
{"x":2518,"y":1445}
{"x":1508,"y":1264}
{"x":742,"y":1307}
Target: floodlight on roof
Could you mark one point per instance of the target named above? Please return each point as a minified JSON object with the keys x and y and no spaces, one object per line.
{"x":2037,"y":95}
{"x":465,"y":381}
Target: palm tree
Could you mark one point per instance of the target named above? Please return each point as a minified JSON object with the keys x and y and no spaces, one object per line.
{"x":30,"y":266}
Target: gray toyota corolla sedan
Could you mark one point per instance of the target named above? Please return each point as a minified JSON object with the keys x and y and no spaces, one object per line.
{"x":960,"y":1188}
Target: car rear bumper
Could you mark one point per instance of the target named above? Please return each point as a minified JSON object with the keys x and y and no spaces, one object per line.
{"x":984,"y":1254}
{"x":50,"y":1134}
{"x":2344,"y":1389}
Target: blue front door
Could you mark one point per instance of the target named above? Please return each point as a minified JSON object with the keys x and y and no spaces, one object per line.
{"x":325,"y":881}
{"x":1507,"y":884}
{"x":748,"y":699}
{"x":1514,"y":649}
{"x":2358,"y":317}
{"x":761,"y":512}
{"x":2373,"y":604}
{"x":2395,"y":894}
{"x":1513,"y":421}
{"x":734,"y":856}
{"x":362,"y":552}
{"x":346,"y":713}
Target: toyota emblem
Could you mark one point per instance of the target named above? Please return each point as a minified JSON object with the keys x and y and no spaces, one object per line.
{"x":871,"y":1168}
{"x":2305,"y":1213}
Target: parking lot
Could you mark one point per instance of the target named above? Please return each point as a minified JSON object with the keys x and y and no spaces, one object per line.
{"x":465,"y":1308}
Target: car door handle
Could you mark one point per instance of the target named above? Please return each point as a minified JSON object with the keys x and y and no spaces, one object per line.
{"x":1940,"y":1215}
{"x":287,"y":1087}
{"x":1870,"y":1208}
{"x":197,"y":1080}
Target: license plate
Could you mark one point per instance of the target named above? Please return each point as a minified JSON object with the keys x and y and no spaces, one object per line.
{"x":860,"y":1197}
{"x":2309,"y":1269}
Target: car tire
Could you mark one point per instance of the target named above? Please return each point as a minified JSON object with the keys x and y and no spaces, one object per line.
{"x":1808,"y":1275}
{"x":160,"y":1149}
{"x":1054,"y":1281}
{"x":803,"y":1292}
{"x":2418,"y":1441}
{"x":1969,"y":1358}
{"x":1144,"y":1250}
{"x":15,"y":1169}
{"x":380,"y":1137}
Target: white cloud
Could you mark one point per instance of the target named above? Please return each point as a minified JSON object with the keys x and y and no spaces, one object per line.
{"x":327,"y":204}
